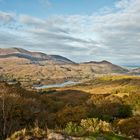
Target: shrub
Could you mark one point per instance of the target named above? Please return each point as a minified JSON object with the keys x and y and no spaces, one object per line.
{"x":70,"y":114}
{"x":91,"y":125}
{"x":33,"y":133}
{"x":124,"y":111}
{"x":74,"y":129}
{"x":95,"y":125}
{"x":130,"y":126}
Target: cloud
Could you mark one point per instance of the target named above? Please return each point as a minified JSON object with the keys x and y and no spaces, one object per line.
{"x":112,"y":33}
{"x":122,"y":4}
{"x":31,"y":21}
{"x":7,"y":17}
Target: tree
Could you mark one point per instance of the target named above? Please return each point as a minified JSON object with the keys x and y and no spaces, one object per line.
{"x":2,"y":92}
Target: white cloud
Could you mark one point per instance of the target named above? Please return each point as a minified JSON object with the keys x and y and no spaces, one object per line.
{"x":7,"y":17}
{"x":123,"y":4}
{"x":25,"y":19}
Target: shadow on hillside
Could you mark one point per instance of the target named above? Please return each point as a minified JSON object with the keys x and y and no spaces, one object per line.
{"x":59,"y":99}
{"x":74,"y":105}
{"x":111,"y":111}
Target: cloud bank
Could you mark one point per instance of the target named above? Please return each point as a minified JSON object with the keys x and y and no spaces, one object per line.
{"x":111,"y":33}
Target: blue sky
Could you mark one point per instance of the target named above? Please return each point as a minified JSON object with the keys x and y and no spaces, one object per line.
{"x":45,"y":8}
{"x":81,"y":30}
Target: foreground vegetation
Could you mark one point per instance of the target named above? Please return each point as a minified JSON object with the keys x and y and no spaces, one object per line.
{"x":106,"y":107}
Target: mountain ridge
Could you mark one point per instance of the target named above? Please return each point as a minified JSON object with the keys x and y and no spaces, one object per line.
{"x":33,"y":56}
{"x":31,"y":68}
{"x":39,"y":56}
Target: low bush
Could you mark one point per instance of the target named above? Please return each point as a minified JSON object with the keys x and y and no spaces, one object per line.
{"x":88,"y":126}
{"x":25,"y":133}
{"x":130,"y":126}
{"x":74,"y":129}
{"x":95,"y":125}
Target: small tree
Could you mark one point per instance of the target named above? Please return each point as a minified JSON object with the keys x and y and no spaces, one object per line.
{"x":2,"y":92}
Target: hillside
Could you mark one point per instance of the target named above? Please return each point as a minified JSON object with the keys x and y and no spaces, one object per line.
{"x":135,"y":71}
{"x":106,"y":107}
{"x":31,"y":68}
{"x":33,"y":56}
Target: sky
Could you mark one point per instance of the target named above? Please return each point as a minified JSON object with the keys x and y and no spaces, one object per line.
{"x":81,"y":30}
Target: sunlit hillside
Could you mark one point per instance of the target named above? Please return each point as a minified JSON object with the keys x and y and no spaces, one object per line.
{"x":103,"y":107}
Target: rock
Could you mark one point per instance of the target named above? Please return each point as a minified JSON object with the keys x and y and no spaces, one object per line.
{"x":56,"y":136}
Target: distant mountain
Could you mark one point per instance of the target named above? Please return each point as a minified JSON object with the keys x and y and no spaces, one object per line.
{"x":135,"y":71}
{"x":106,"y":67}
{"x":100,"y":62}
{"x":33,"y":56}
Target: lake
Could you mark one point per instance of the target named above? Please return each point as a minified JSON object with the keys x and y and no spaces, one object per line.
{"x":131,"y":67}
{"x":68,"y":83}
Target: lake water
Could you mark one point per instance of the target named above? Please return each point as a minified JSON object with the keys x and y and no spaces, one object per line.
{"x":131,"y":67}
{"x":68,"y":83}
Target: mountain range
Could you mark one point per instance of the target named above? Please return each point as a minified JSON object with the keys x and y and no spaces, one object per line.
{"x":39,"y":68}
{"x":33,"y":56}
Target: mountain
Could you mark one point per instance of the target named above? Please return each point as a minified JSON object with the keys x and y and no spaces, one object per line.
{"x":95,"y":62}
{"x":106,"y":67}
{"x":31,"y":68}
{"x":33,"y":56}
{"x":135,"y":71}
{"x":42,"y":59}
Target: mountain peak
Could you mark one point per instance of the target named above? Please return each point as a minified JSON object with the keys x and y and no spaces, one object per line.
{"x":33,"y":56}
{"x":5,"y":51}
{"x":99,"y":62}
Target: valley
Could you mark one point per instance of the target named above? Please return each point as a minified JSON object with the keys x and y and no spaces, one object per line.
{"x":106,"y":107}
{"x":48,"y":96}
{"x":34,"y":68}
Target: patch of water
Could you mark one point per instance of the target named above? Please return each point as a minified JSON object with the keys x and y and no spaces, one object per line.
{"x":68,"y":83}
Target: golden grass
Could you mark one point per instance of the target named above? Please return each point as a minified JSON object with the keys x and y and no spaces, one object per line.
{"x":120,"y":85}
